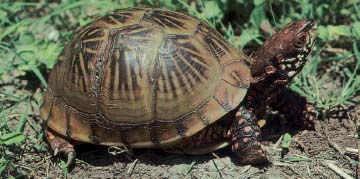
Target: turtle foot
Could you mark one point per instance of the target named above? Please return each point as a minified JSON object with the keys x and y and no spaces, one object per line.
{"x":308,"y":117}
{"x":61,"y":146}
{"x":254,"y":153}
{"x":245,"y":133}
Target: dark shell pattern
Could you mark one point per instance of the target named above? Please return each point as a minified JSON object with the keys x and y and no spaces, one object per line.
{"x":143,"y":77}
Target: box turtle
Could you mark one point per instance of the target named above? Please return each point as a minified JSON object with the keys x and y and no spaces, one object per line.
{"x":153,"y":78}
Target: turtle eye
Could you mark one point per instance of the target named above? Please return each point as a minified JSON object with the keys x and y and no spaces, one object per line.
{"x":301,"y":40}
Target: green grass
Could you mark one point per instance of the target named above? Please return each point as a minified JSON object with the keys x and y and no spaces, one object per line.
{"x":33,"y":34}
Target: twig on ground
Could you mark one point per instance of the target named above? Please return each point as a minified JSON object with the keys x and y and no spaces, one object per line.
{"x":48,"y":169}
{"x":308,"y":170}
{"x":132,"y":167}
{"x":82,"y":162}
{"x":246,"y":168}
{"x":219,"y":172}
{"x":336,"y":146}
{"x":217,"y":157}
{"x":191,"y":166}
{"x":302,"y":156}
{"x":25,"y":167}
{"x":277,"y":144}
{"x":282,"y":164}
{"x":115,"y":150}
{"x":351,"y":150}
{"x":337,"y":170}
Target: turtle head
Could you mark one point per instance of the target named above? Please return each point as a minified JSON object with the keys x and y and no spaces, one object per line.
{"x":284,"y":54}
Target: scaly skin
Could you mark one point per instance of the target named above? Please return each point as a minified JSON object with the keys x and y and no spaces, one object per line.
{"x":245,"y":133}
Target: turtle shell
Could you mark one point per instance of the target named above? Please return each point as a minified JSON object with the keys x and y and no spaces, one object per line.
{"x":143,"y":77}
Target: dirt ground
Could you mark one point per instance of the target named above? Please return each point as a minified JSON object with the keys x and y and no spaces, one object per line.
{"x":308,"y":156}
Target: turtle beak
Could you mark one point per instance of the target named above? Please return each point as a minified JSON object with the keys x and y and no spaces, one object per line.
{"x":309,"y":24}
{"x":311,"y":27}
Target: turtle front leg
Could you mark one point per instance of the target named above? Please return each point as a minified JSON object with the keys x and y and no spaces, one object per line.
{"x":60,"y":145}
{"x":296,"y":107}
{"x":244,"y":135}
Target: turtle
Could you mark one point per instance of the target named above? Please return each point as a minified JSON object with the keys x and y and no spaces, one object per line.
{"x":155,"y":78}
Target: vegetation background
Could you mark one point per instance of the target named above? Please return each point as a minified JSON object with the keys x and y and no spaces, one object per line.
{"x":32,"y":34}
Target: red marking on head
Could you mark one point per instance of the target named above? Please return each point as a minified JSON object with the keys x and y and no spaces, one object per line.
{"x":241,"y":120}
{"x":235,"y":146}
{"x":245,"y":139}
{"x":234,"y":139}
{"x":247,"y":129}
{"x":270,"y":69}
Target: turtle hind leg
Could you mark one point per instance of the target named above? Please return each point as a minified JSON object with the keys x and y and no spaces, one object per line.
{"x":60,"y":145}
{"x":244,"y":135}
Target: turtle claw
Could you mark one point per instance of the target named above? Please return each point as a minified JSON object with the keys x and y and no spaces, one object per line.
{"x":56,"y":151}
{"x":61,"y":145}
{"x":70,"y":158}
{"x":68,"y":152}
